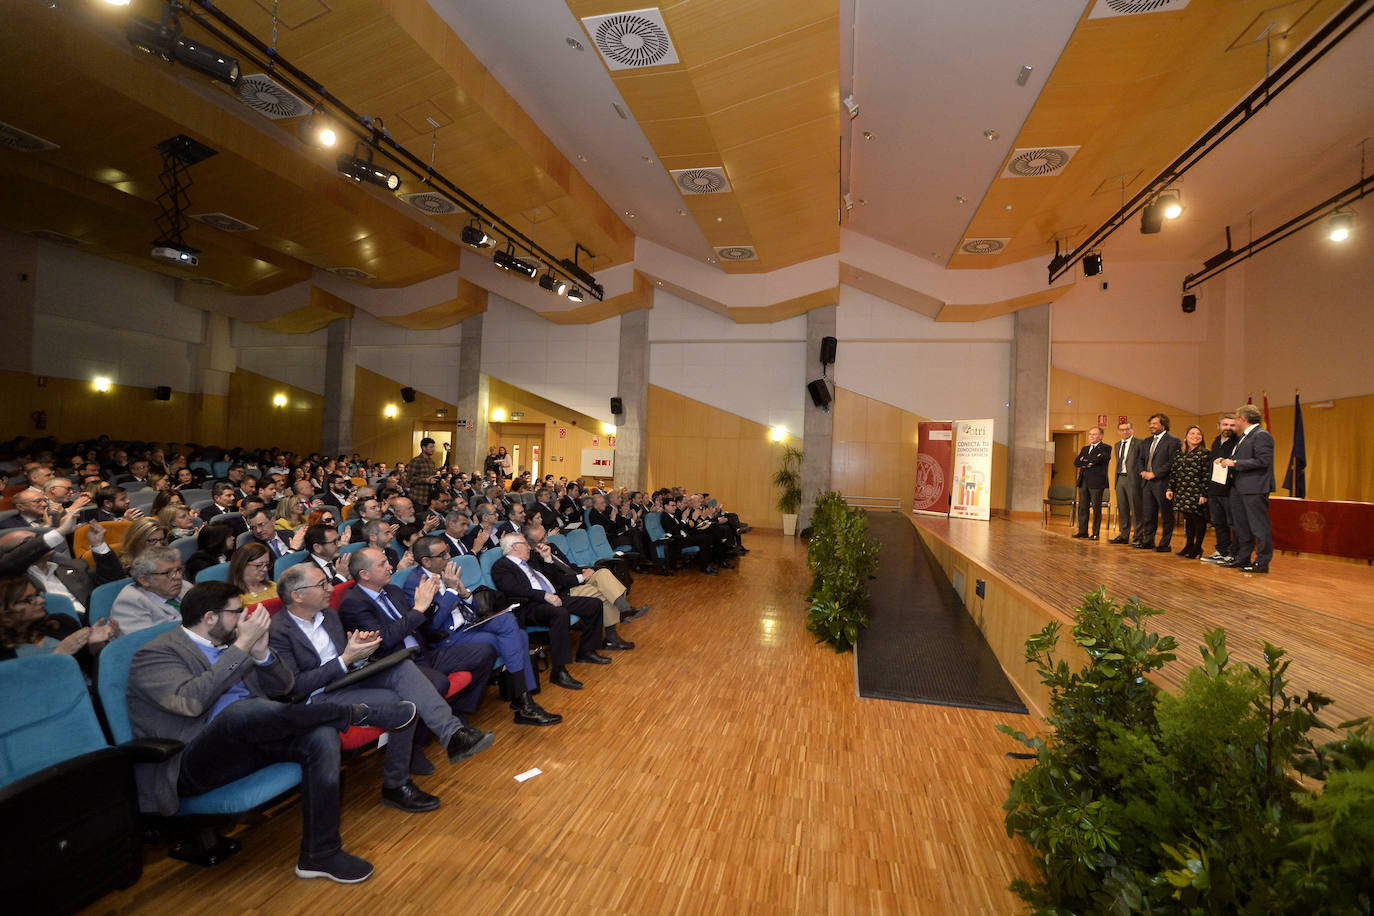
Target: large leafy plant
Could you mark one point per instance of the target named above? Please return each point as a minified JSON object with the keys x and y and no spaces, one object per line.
{"x":842,"y":558}
{"x":1139,"y":801}
{"x":787,"y":478}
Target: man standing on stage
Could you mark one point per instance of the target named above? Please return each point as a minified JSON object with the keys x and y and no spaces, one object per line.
{"x":1126,"y":482}
{"x":1219,"y":494}
{"x":1092,"y":463}
{"x":1252,"y":480}
{"x":1156,"y":506}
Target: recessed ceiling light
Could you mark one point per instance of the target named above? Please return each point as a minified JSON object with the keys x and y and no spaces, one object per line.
{"x":720,"y":219}
{"x":869,"y":135}
{"x":648,"y":160}
{"x":710,"y":260}
{"x":961,"y":198}
{"x":681,"y":212}
{"x":990,"y":134}
{"x":574,"y":43}
{"x":630,"y":214}
{"x":1007,"y":208}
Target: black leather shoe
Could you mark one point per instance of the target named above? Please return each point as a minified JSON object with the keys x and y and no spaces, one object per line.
{"x":1255,"y":569}
{"x":1119,"y":540}
{"x":726,"y":564}
{"x":617,"y":644}
{"x":592,"y":658}
{"x":1140,"y":545}
{"x":388,"y":716}
{"x":419,"y":763}
{"x":709,"y":571}
{"x":563,"y":679}
{"x":1077,"y":535}
{"x":467,"y":741}
{"x":529,"y":712}
{"x":634,"y":613}
{"x":1163,"y":548}
{"x":1233,"y":564}
{"x":409,"y":797}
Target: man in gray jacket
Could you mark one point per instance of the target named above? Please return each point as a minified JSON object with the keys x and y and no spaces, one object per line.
{"x":207,"y":684}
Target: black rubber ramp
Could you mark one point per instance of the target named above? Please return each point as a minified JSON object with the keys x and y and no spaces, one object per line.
{"x":920,"y":645}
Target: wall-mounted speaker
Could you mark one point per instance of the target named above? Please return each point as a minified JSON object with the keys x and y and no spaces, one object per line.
{"x":820,"y":393}
{"x":408,"y":395}
{"x":162,"y":393}
{"x":617,"y":406}
{"x":828,"y":345}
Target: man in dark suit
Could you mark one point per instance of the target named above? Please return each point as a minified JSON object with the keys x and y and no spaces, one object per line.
{"x":541,"y":604}
{"x":1092,"y":461}
{"x":309,"y":637}
{"x":1219,"y":494}
{"x":375,"y":604}
{"x":323,"y":543}
{"x":223,"y":500}
{"x":1156,"y":508}
{"x":266,"y":534}
{"x":456,"y":525}
{"x":568,"y":576}
{"x":1126,"y":455}
{"x":32,"y":506}
{"x":543,"y":509}
{"x":1252,"y":480}
{"x":207,"y":684}
{"x":64,"y":576}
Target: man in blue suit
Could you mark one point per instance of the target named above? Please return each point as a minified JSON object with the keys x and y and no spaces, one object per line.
{"x":452,"y":625}
{"x":1252,"y":480}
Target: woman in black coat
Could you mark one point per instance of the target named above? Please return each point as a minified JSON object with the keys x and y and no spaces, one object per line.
{"x":1188,"y":489}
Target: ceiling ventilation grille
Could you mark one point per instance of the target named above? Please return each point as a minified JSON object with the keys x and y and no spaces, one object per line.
{"x":1038,"y":162}
{"x":259,"y":92}
{"x":224,"y":222}
{"x":629,"y":41}
{"x":431,"y":202}
{"x":22,"y":141}
{"x":737,"y":253}
{"x":1107,"y":9}
{"x":48,"y":235}
{"x":207,"y":281}
{"x":983,"y":246}
{"x":351,"y":273}
{"x":701,"y":181}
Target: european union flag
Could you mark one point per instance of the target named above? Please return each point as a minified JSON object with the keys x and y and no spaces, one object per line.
{"x":1295,"y":480}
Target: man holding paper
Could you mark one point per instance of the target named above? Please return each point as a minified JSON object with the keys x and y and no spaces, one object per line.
{"x":1252,"y":480}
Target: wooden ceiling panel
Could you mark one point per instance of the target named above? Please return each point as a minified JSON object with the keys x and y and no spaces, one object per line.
{"x":681,"y":137}
{"x":778,"y":150}
{"x":703,"y":30}
{"x":786,"y":60}
{"x":777,"y":111}
{"x":658,"y":93}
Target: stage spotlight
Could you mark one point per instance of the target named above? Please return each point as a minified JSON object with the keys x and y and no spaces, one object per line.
{"x":360,"y":170}
{"x":151,"y":37}
{"x":1339,"y":227}
{"x":164,"y":40}
{"x":504,"y":260}
{"x":474,"y":236}
{"x":574,"y":294}
{"x":1151,"y":218}
{"x":1092,"y":264}
{"x":1171,"y":205}
{"x":553,"y":284}
{"x":207,"y":60}
{"x":315,"y":130}
{"x":1189,"y":304}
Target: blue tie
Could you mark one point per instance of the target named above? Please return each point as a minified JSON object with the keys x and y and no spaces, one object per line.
{"x":385,"y":604}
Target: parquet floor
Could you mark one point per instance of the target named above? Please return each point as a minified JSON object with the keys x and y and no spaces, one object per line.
{"x":1320,"y":611}
{"x":724,"y":766}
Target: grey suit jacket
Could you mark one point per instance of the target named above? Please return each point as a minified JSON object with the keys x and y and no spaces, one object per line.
{"x":298,"y":654}
{"x":172,"y":689}
{"x":136,"y":609}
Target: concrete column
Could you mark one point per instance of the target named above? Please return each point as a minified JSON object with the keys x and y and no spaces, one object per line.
{"x":817,"y":434}
{"x":632,"y":387}
{"x":340,"y":365}
{"x":474,"y":399}
{"x":1029,"y":434}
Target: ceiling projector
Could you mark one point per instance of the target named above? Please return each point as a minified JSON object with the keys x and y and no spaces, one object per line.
{"x":179,"y":255}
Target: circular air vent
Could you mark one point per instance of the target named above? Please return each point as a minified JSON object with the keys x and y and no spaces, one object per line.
{"x":982,"y":246}
{"x":431,"y":202}
{"x":736,"y":253}
{"x":1034,"y":163}
{"x":700,"y":181}
{"x":350,"y":273}
{"x":224,"y":222}
{"x":632,"y":41}
{"x":1131,"y":7}
{"x":260,"y":93}
{"x":22,"y":141}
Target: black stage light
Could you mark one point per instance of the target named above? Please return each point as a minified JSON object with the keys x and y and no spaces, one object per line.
{"x":164,"y":40}
{"x":151,"y":37}
{"x":474,"y":236}
{"x":1190,"y":303}
{"x":554,"y":284}
{"x":574,"y":294}
{"x":207,"y":60}
{"x":505,"y":260}
{"x":1092,"y":264}
{"x":360,"y":169}
{"x":1152,"y":218}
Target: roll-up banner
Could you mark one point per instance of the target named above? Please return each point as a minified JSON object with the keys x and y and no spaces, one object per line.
{"x":934,"y":443}
{"x":972,"y":469}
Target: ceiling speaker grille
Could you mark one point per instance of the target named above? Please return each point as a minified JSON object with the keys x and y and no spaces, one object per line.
{"x":224,"y":222}
{"x":710,"y":180}
{"x":22,"y":141}
{"x":737,"y":253}
{"x":431,"y":202}
{"x":351,"y":273}
{"x":48,"y":235}
{"x":259,"y":92}
{"x":1038,"y":162}
{"x":631,"y":40}
{"x":983,"y":246}
{"x":1107,"y":9}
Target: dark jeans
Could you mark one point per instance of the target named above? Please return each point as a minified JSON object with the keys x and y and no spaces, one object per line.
{"x":1221,"y":520}
{"x":253,"y":733}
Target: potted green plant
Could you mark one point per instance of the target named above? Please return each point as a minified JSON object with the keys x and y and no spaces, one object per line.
{"x":788,"y":481}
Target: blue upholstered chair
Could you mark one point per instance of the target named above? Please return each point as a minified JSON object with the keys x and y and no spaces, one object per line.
{"x":286,"y":561}
{"x":103,"y":599}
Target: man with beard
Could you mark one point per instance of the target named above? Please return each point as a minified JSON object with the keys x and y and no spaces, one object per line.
{"x":1219,"y":494}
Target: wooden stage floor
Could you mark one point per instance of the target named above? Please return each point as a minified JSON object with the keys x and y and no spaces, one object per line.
{"x":1321,"y":611}
{"x":724,"y":766}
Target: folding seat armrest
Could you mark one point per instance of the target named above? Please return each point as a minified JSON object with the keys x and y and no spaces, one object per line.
{"x":152,"y":750}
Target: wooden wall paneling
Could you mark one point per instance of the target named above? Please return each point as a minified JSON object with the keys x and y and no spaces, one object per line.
{"x":252,"y":420}
{"x":1091,"y":397}
{"x":383,"y":438}
{"x":1340,"y":462}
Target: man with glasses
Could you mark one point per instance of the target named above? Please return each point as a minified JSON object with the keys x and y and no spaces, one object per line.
{"x":453,"y":624}
{"x":323,"y":543}
{"x":208,"y":684}
{"x":63,"y":576}
{"x":155,"y":594}
{"x":309,"y":637}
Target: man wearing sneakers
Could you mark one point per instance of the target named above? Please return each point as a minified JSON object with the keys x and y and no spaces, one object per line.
{"x":207,"y":684}
{"x":1219,"y":494}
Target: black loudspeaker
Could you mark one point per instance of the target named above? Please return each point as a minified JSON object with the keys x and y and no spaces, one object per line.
{"x":1092,"y":265}
{"x":408,"y":395}
{"x":617,"y":406}
{"x":828,"y":345}
{"x":820,"y":393}
{"x":162,"y":393}
{"x":1190,"y":303}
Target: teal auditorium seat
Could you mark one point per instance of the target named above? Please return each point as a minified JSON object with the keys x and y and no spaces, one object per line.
{"x":217,"y":573}
{"x":286,"y":561}
{"x":653,"y":524}
{"x":54,"y":603}
{"x":103,"y":599}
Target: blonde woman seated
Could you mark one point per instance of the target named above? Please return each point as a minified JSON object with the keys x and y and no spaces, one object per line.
{"x":250,"y":571}
{"x":142,"y":534}
{"x":291,"y":512}
{"x":180,"y":520}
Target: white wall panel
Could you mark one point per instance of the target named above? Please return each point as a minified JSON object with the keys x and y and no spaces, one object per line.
{"x":863,"y":316}
{"x":81,"y":286}
{"x":674,"y":319}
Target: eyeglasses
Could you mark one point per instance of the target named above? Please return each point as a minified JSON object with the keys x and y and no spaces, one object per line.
{"x":260,"y":564}
{"x":174,"y":571}
{"x":320,"y":584}
{"x":30,"y":599}
{"x":443,"y":555}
